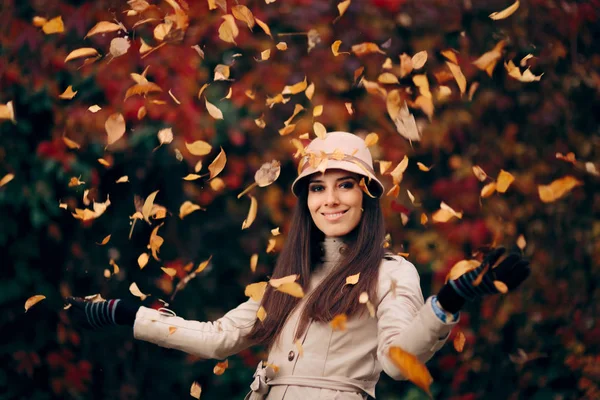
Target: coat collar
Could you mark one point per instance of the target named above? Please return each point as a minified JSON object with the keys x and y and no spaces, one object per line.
{"x":331,"y":251}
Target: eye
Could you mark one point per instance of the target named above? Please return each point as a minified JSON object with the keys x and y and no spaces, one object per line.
{"x":347,"y":185}
{"x":315,"y":188}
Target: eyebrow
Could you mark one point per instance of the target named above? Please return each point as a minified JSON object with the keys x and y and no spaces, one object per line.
{"x":337,"y":180}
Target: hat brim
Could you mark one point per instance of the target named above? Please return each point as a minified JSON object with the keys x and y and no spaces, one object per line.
{"x":375,"y":187}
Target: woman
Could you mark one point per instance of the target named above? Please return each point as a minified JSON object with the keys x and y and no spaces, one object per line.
{"x":337,"y":232}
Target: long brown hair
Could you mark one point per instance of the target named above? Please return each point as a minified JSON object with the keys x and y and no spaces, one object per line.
{"x":364,"y":252}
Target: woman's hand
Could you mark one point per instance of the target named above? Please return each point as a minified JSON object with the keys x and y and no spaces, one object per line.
{"x":511,"y":271}
{"x":96,"y":315}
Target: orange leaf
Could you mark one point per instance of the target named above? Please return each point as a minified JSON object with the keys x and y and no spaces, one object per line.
{"x":459,"y":341}
{"x":501,"y":286}
{"x":82,"y":52}
{"x":338,"y":323}
{"x":411,"y":368}
{"x":557,"y":189}
{"x":220,"y":368}
{"x":251,"y":213}
{"x":366,"y":48}
{"x":256,"y":291}
{"x":33,"y":300}
{"x":507,"y":12}
{"x":291,"y":288}
{"x":504,"y":180}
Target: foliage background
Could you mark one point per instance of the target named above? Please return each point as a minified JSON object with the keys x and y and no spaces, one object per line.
{"x":510,"y":125}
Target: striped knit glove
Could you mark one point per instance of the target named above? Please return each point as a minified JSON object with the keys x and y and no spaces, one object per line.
{"x":103,"y":313}
{"x":512,"y":271}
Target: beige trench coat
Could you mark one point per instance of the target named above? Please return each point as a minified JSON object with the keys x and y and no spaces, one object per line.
{"x":343,"y":365}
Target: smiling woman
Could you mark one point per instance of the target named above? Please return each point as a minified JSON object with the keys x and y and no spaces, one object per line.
{"x":335,"y":261}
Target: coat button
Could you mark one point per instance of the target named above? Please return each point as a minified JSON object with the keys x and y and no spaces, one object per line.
{"x":291,"y":355}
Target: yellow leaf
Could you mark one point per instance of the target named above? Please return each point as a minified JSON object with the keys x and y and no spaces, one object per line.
{"x":507,"y":12}
{"x":371,"y":139}
{"x":105,"y":240}
{"x":68,"y":94}
{"x":398,"y":172}
{"x":115,"y":127}
{"x":256,"y":291}
{"x":199,"y":148}
{"x":320,"y":130}
{"x":352,"y":279}
{"x":162,"y":30}
{"x":281,"y":46}
{"x":172,"y":330}
{"x":291,"y":288}
{"x":202,"y":89}
{"x":251,"y":213}
{"x":424,"y":219}
{"x":103,"y":27}
{"x":6,"y":178}
{"x":191,"y":177}
{"x":104,"y":162}
{"x":74,"y":181}
{"x":228,"y":30}
{"x":169,"y":271}
{"x":406,"y":66}
{"x":384,"y":166}
{"x":82,"y":52}
{"x":70,"y":143}
{"x":263,"y":26}
{"x":501,"y":287}
{"x":343,"y":6}
{"x":423,"y":167}
{"x":218,"y":164}
{"x":7,"y":111}
{"x":504,"y":180}
{"x":366,"y":48}
{"x":147,"y":207}
{"x":213,"y":110}
{"x":297,"y":109}
{"x":271,"y":245}
{"x":33,"y":300}
{"x":318,"y":110}
{"x":253,"y":262}
{"x":123,"y":179}
{"x":411,"y":368}
{"x":349,"y":108}
{"x":55,"y":25}
{"x":38,"y":22}
{"x":488,"y":60}
{"x":338,"y":323}
{"x":187,"y":208}
{"x":387,"y":78}
{"x":459,"y":341}
{"x":458,"y":76}
{"x":521,"y":243}
{"x":203,"y":265}
{"x":141,"y":112}
{"x":335,"y":48}
{"x":419,"y":59}
{"x":220,"y":368}
{"x":394,"y":191}
{"x":261,"y":314}
{"x":243,"y":14}
{"x":196,"y":389}
{"x":198,"y":166}
{"x":450,"y":55}
{"x":276,"y":282}
{"x":364,"y":188}
{"x":488,"y":190}
{"x":479,"y":173}
{"x":115,"y":266}
{"x":133,"y":288}
{"x":557,"y":189}
{"x":445,"y":213}
{"x":295,"y":88}
{"x":461,"y":268}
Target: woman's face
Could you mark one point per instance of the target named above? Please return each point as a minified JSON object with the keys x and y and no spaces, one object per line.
{"x":335,"y":201}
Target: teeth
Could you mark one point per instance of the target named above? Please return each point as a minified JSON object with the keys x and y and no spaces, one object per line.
{"x":335,"y":215}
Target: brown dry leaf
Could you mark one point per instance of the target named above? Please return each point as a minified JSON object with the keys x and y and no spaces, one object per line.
{"x":504,"y":180}
{"x":162,"y":30}
{"x":55,"y":25}
{"x":33,"y":300}
{"x":104,"y":241}
{"x":488,"y":190}
{"x":501,"y":287}
{"x":515,"y":72}
{"x":267,"y":173}
{"x":320,"y":130}
{"x":147,"y":207}
{"x":291,"y":288}
{"x":276,"y":282}
{"x":253,"y":262}
{"x":423,"y":167}
{"x":228,"y":30}
{"x":335,"y":48}
{"x":364,"y":188}
{"x":263,"y":26}
{"x":371,"y":139}
{"x":384,"y":166}
{"x":122,"y":179}
{"x":213,"y":110}
{"x":281,"y":46}
{"x":459,"y":341}
{"x":342,"y":7}
{"x":461,"y":268}
{"x":387,"y":78}
{"x":479,"y":173}
{"x":218,"y":164}
{"x":310,"y":91}
{"x":187,"y":208}
{"x":243,"y":14}
{"x":287,"y":130}
{"x":115,"y":127}
{"x":256,"y":291}
{"x":68,"y":94}
{"x":104,"y":27}
{"x":458,"y":76}
{"x":411,"y":368}
{"x":297,"y":109}
{"x":261,"y":314}
{"x":295,"y":88}
{"x":70,"y":143}
{"x":271,"y":245}
{"x":406,"y":66}
{"x":220,"y":368}
{"x":338,"y":323}
{"x":366,"y":48}
{"x":264,"y":55}
{"x":487,"y":62}
{"x":199,"y":148}
{"x":507,"y":12}
{"x":394,"y":191}
{"x":426,"y":105}
{"x":557,"y":189}
{"x":119,"y":46}
{"x":450,"y":55}
{"x":352,"y":279}
{"x":398,"y":172}
{"x":133,"y":288}
{"x":521,"y":242}
{"x":169,"y":271}
{"x":195,"y":390}
{"x":445,"y":213}
{"x":155,"y":242}
{"x":74,"y":181}
{"x":6,"y":178}
{"x":251,"y":213}
{"x":419,"y":59}
{"x":203,"y":265}
{"x":82,"y":52}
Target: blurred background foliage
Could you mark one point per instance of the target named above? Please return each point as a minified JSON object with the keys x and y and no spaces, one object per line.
{"x":541,"y":342}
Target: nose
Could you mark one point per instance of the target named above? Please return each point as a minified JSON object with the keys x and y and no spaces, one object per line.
{"x":332,"y":197}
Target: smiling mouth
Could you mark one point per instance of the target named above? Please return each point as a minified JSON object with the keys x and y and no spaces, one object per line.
{"x":333,"y":216}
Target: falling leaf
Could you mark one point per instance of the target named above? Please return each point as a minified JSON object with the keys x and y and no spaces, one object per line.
{"x":187,"y":208}
{"x":557,"y":189}
{"x":55,"y":25}
{"x":104,"y":27}
{"x":261,"y":314}
{"x":487,"y":62}
{"x":133,"y":288}
{"x":411,"y":368}
{"x":521,"y":243}
{"x":461,"y":268}
{"x":281,"y":46}
{"x":33,"y":300}
{"x":504,"y":180}
{"x":445,"y":213}
{"x":507,"y":12}
{"x":271,"y":245}
{"x":459,"y":341}
{"x":105,"y":240}
{"x":6,"y":178}
{"x":424,"y":219}
{"x":199,"y":148}
{"x":203,"y":265}
{"x":263,"y":26}
{"x":7,"y":111}
{"x":570,"y":157}
{"x":387,"y":78}
{"x":352,"y":279}
{"x":291,"y":288}
{"x":479,"y":173}
{"x":253,"y":262}
{"x":122,"y":179}
{"x":119,"y":46}
{"x":515,"y":72}
{"x":349,"y":108}
{"x":419,"y":59}
{"x":220,"y":368}
{"x":228,"y":30}
{"x":68,"y":94}
{"x":524,"y":60}
{"x":70,"y":143}
{"x":450,"y":55}
{"x":406,"y":66}
{"x":169,"y":271}
{"x":295,"y":88}
{"x":276,"y":282}
{"x":213,"y":110}
{"x":251,"y":213}
{"x":488,"y":190}
{"x":256,"y":291}
{"x":338,"y":323}
{"x":366,"y":48}
{"x":342,"y":7}
{"x":398,"y":172}
{"x":423,"y":167}
{"x":147,"y":207}
{"x":74,"y":181}
{"x":335,"y":48}
{"x":115,"y":127}
{"x":458,"y":76}
{"x":318,"y":110}
{"x":267,"y":173}
{"x":320,"y":130}
{"x":218,"y":164}
{"x":243,"y":14}
{"x":38,"y":22}
{"x":371,"y":139}
{"x":195,"y":390}
{"x":310,"y":91}
{"x":314,"y":38}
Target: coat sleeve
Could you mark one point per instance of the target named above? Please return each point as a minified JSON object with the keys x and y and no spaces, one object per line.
{"x":218,"y":339}
{"x":404,"y":319}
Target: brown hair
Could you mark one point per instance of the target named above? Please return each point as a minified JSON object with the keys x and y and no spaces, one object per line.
{"x":364,"y":252}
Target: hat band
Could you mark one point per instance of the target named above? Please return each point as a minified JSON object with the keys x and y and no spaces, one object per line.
{"x":368,"y":169}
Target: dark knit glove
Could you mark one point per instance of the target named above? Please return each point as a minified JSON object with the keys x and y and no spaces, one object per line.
{"x":99,"y":314}
{"x":512,"y":271}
